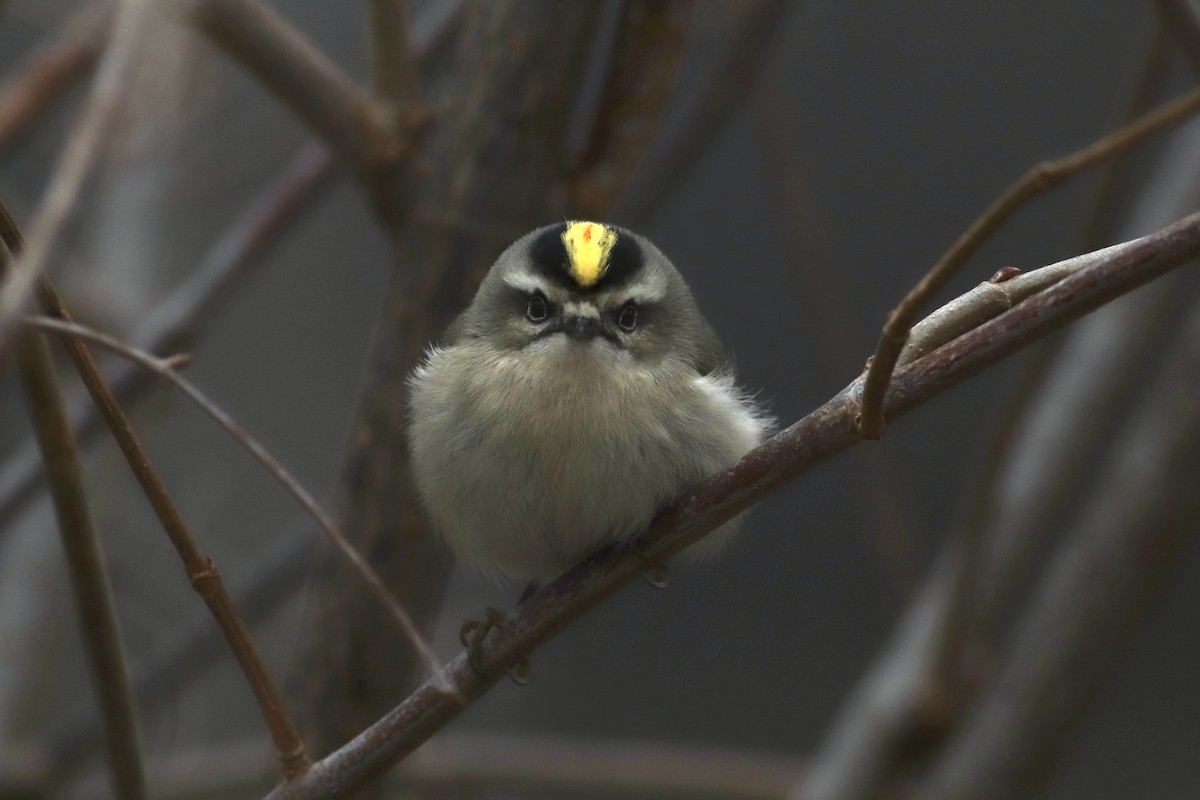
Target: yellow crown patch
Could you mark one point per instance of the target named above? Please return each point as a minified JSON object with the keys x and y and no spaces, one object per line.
{"x":589,"y":245}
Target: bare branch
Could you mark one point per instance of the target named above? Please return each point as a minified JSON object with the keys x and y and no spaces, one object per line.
{"x":51,"y":73}
{"x":83,"y":150}
{"x":393,"y":68}
{"x":555,"y":765}
{"x":823,"y":433}
{"x":988,"y":300}
{"x":1146,"y":87}
{"x":164,"y":367}
{"x":644,"y":72}
{"x":85,"y":560}
{"x":302,"y":77}
{"x":201,"y":571}
{"x":1042,"y":177}
{"x":174,"y":323}
{"x":1086,"y":610}
{"x":196,"y":645}
{"x":486,"y":175}
{"x":664,"y":167}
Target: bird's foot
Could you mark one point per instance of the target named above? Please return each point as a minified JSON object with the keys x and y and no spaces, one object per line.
{"x":471,"y":635}
{"x":656,"y":573}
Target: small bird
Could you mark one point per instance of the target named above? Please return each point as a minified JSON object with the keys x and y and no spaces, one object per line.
{"x":581,"y":392}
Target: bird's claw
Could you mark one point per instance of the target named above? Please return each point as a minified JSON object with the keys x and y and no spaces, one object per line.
{"x":471,"y":635}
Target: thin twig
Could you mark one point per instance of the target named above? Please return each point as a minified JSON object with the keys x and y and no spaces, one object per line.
{"x":51,"y":73}
{"x":196,"y":644}
{"x":947,"y":666}
{"x":662,"y":170}
{"x":81,"y":155}
{"x":165,"y":367}
{"x":1113,"y":183}
{"x":828,"y":430}
{"x":175,"y":322}
{"x":1085,"y":612}
{"x":644,"y":72}
{"x":89,"y":577}
{"x":201,"y":571}
{"x":1039,"y":179}
{"x":305,"y":80}
{"x":393,"y":68}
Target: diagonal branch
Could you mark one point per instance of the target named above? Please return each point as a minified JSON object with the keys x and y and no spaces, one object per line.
{"x":826,"y":431}
{"x":201,"y":571}
{"x":340,"y":112}
{"x":85,"y":560}
{"x":754,"y":27}
{"x":232,"y":259}
{"x":1038,"y":180}
{"x":166,"y":367}
{"x":393,"y":68}
{"x":51,"y":73}
{"x":82,"y":153}
{"x":1085,"y":611}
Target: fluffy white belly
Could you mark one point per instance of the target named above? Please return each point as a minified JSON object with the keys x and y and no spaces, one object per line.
{"x":529,"y":462}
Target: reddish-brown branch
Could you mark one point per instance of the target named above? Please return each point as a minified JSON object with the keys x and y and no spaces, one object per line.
{"x":232,"y":259}
{"x":201,"y":570}
{"x":393,"y":67}
{"x":167,"y":368}
{"x":340,"y":112}
{"x":82,"y":154}
{"x":635,"y":101}
{"x":50,"y":74}
{"x":85,"y":560}
{"x":823,"y":433}
{"x":1039,"y":179}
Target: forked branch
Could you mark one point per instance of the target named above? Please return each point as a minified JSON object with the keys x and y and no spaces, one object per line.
{"x":823,"y":433}
{"x":1039,"y":179}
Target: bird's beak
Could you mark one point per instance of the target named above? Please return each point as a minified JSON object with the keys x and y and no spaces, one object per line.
{"x":582,"y":328}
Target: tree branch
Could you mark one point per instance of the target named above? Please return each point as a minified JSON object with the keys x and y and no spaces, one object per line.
{"x":823,"y":433}
{"x":167,"y":368}
{"x":89,"y":578}
{"x":302,"y":77}
{"x":664,"y":167}
{"x":83,"y":150}
{"x":196,"y":645}
{"x":51,"y":73}
{"x":201,"y":571}
{"x":491,"y":168}
{"x":175,"y":322}
{"x":1039,"y":179}
{"x":644,"y":72}
{"x":1086,"y":610}
{"x":393,"y":68}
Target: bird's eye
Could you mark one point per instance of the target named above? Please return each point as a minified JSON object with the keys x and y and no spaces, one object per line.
{"x":537,"y":311}
{"x":627,"y":317}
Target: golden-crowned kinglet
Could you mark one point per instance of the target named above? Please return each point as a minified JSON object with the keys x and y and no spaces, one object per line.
{"x":580,"y":392}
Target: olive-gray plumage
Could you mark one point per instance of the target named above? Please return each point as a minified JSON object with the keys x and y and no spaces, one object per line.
{"x":561,"y":410}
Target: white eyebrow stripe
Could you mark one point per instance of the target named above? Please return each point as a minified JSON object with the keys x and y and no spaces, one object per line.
{"x":583,"y":309}
{"x":523,"y":282}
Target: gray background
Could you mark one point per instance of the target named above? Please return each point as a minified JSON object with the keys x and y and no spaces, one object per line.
{"x":873,"y":137}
